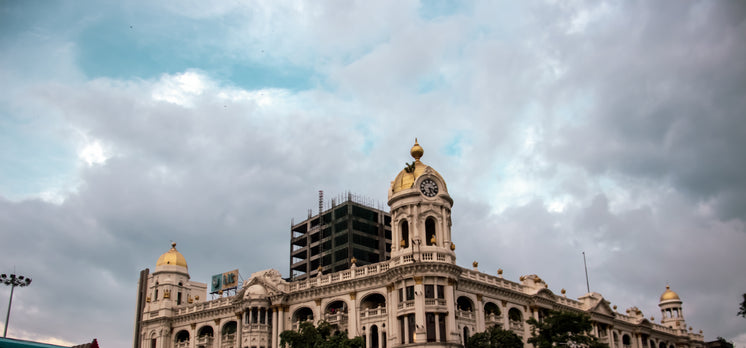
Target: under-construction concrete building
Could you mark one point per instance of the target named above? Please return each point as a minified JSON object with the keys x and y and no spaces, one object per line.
{"x":330,"y":240}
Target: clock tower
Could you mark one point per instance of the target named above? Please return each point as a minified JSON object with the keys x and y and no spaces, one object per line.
{"x":420,"y":212}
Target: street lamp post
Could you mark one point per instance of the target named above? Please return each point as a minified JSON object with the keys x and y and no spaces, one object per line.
{"x":13,"y":281}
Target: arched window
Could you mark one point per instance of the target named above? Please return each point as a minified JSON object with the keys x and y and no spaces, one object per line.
{"x":464,"y":303}
{"x":205,"y":331}
{"x":404,"y":234}
{"x":229,"y":328}
{"x":626,"y":340}
{"x":182,"y":336}
{"x":430,"y":236}
{"x":515,"y":315}
{"x":302,"y":314}
{"x":492,"y":315}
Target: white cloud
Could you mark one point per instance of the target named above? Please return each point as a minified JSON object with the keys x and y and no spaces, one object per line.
{"x":93,"y":154}
{"x":181,"y":89}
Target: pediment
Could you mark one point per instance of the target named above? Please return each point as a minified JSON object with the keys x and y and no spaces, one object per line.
{"x":602,"y":308}
{"x":546,"y":294}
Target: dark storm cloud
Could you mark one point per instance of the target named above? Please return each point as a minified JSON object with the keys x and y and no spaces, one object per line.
{"x":665,"y":83}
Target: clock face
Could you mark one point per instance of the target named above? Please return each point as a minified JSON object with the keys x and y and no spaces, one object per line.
{"x":429,"y":188}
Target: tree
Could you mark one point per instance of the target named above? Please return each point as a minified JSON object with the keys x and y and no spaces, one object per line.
{"x":310,"y":336}
{"x":495,"y":337}
{"x":562,"y":328}
{"x":742,"y":311}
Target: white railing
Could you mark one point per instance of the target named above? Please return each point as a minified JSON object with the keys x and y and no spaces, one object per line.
{"x":201,"y":306}
{"x":493,"y":319}
{"x":182,"y":344}
{"x":256,"y":327}
{"x":372,"y":312}
{"x":516,"y":325}
{"x":366,"y":270}
{"x":464,"y":315}
{"x":336,"y":318}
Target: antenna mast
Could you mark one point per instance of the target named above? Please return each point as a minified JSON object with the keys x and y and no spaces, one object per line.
{"x":587,"y":284}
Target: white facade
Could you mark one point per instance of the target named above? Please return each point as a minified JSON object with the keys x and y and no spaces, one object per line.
{"x":419,"y":297}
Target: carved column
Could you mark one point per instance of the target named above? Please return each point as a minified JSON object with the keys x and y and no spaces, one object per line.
{"x":479,"y":312}
{"x":239,"y":329}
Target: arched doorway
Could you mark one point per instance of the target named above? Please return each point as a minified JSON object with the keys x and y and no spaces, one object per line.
{"x":374,"y":336}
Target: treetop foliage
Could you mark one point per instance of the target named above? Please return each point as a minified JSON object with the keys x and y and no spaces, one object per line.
{"x":310,"y":336}
{"x":495,"y":337}
{"x":562,"y":328}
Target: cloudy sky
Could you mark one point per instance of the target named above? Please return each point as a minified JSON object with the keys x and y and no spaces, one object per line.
{"x":616,"y":128}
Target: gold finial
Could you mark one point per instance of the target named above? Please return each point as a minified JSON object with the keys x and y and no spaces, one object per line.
{"x":403,"y":243}
{"x":433,"y":240}
{"x":614,"y":307}
{"x":563,"y":291}
{"x":652,"y":318}
{"x":500,"y":271}
{"x":522,"y":278}
{"x":353,"y":260}
{"x":453,"y":246}
{"x":416,"y":150}
{"x":475,"y":264}
{"x":173,"y":245}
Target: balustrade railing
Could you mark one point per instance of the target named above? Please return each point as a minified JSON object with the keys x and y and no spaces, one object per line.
{"x":372,"y":312}
{"x":368,"y":269}
{"x":228,"y":340}
{"x":336,"y":318}
{"x":204,"y":340}
{"x":464,"y":315}
{"x":493,"y":319}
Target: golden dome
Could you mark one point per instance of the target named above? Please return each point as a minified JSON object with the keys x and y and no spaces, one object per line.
{"x":172,"y":257}
{"x":669,"y":295}
{"x":411,"y":172}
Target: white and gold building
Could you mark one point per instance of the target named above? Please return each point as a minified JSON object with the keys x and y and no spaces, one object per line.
{"x":418,"y":297}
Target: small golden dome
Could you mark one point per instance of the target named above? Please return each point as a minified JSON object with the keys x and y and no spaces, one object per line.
{"x":406,"y":178}
{"x":669,"y":295}
{"x":172,"y":257}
